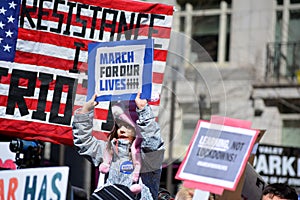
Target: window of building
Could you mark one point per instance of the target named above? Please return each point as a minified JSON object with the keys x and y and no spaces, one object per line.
{"x":206,"y":4}
{"x":182,"y":23}
{"x":205,"y":31}
{"x":211,"y":4}
{"x":290,"y":133}
{"x":295,"y":1}
{"x":208,"y":24}
{"x":278,"y":26}
{"x":288,"y":21}
{"x":287,"y":36}
{"x":279,"y":2}
{"x":294,"y":25}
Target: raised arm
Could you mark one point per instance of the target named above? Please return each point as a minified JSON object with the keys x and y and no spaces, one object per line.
{"x":148,"y":127}
{"x":152,"y":146}
{"x":85,"y":143}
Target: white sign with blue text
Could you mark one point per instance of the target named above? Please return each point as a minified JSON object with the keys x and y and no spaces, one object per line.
{"x":118,"y":70}
{"x":34,"y":183}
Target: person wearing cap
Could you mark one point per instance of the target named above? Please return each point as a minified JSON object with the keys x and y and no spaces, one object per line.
{"x":116,"y":155}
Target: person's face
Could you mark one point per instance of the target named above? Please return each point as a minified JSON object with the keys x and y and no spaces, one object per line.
{"x":125,"y":131}
{"x":271,"y":196}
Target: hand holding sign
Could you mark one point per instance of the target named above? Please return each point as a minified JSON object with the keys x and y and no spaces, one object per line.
{"x":89,"y":105}
{"x":140,"y":103}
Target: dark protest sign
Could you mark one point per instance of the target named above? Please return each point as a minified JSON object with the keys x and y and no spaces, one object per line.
{"x":278,"y":164}
{"x":117,"y":70}
{"x":253,"y":185}
{"x":217,"y":150}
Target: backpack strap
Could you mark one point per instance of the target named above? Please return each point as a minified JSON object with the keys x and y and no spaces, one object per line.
{"x":101,"y":181}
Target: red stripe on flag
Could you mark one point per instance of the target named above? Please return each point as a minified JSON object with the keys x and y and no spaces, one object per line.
{"x":158,"y":78}
{"x":3,"y":100}
{"x":43,"y":60}
{"x":37,"y":131}
{"x":160,"y":32}
{"x":23,"y":83}
{"x":51,"y":38}
{"x":48,"y":61}
{"x":163,"y":32}
{"x":154,"y":103}
{"x":160,"y":55}
{"x":81,"y":90}
{"x":32,"y":104}
{"x":100,"y":114}
{"x":5,"y":79}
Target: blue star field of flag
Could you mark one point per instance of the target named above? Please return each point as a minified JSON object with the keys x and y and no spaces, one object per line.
{"x":9,"y":12}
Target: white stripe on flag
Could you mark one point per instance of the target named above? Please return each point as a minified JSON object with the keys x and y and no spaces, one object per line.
{"x":35,"y":68}
{"x":158,"y":66}
{"x":50,"y":50}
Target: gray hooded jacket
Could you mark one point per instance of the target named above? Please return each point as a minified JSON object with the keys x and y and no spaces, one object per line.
{"x":152,"y":150}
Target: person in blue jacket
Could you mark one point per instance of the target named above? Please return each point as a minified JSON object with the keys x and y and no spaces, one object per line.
{"x":116,"y":153}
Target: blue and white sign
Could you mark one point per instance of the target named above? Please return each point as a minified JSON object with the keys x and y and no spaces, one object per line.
{"x":118,"y":70}
{"x":34,"y":183}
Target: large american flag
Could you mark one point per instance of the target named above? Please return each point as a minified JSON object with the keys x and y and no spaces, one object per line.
{"x":43,"y":59}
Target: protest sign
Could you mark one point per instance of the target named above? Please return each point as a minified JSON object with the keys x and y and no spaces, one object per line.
{"x":278,"y":164}
{"x":117,"y":70}
{"x":214,"y":150}
{"x":43,"y":59}
{"x":253,"y":185}
{"x":34,"y":183}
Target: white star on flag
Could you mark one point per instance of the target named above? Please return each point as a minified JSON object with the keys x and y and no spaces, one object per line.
{"x":10,"y":19}
{"x":2,"y":11}
{"x":12,"y":5}
{"x":8,"y":33}
{"x":1,"y":40}
{"x":1,"y":25}
{"x":7,"y":48}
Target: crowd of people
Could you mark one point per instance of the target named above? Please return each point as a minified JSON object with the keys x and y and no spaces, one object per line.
{"x":132,"y":156}
{"x":274,"y":191}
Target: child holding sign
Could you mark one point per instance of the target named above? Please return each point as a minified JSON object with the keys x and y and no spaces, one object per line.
{"x":116,"y":156}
